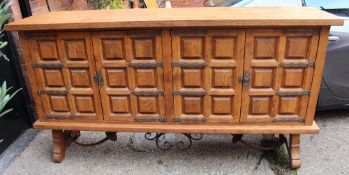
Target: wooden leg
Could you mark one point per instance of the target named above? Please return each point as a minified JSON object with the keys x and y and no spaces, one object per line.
{"x":294,"y":151}
{"x":61,"y":140}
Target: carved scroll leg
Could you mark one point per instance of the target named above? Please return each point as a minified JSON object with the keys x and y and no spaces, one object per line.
{"x":61,"y":140}
{"x":294,"y":151}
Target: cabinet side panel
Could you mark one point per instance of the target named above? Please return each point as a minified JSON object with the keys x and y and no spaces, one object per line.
{"x":315,"y":87}
{"x":39,"y":113}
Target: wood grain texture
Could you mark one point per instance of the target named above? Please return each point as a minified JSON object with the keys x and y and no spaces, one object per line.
{"x":172,"y":128}
{"x":177,"y":17}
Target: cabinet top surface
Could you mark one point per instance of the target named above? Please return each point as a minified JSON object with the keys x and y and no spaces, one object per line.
{"x":176,"y":17}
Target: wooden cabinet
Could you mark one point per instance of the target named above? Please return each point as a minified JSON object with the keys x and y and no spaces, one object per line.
{"x":214,"y":70}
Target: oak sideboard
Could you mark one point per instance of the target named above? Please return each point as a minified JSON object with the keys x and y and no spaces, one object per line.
{"x":187,"y":70}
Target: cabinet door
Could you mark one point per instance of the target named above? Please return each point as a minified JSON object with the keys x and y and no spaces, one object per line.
{"x":131,"y":66}
{"x":206,"y":70}
{"x":64,"y":67}
{"x":280,"y":65}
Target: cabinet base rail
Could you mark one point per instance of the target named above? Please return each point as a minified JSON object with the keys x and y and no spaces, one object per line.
{"x":63,"y":138}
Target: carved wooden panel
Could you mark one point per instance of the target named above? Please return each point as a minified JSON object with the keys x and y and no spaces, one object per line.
{"x":67,"y":90}
{"x":206,"y":83}
{"x":125,"y":60}
{"x":278,"y":61}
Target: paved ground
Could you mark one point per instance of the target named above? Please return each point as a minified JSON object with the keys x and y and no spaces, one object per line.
{"x":327,"y":153}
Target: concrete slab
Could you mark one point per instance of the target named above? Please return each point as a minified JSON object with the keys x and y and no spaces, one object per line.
{"x":132,"y":154}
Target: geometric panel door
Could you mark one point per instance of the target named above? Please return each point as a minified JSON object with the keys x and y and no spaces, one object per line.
{"x":64,"y":68}
{"x":279,"y":65}
{"x":206,"y":70}
{"x":130,"y":65}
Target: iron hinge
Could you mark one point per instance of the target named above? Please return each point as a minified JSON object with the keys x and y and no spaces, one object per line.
{"x":149,"y":119}
{"x":298,"y":64}
{"x":189,"y":119}
{"x":189,"y":93}
{"x":53,"y":92}
{"x":58,"y":117}
{"x":99,"y":78}
{"x":286,"y":93}
{"x":184,"y":64}
{"x":45,"y":65}
{"x":289,"y":120}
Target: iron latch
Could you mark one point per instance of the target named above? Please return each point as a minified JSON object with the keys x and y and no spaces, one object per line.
{"x":245,"y":78}
{"x":99,"y":78}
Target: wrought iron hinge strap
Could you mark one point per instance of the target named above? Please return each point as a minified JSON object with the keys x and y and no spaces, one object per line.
{"x":144,"y":33}
{"x":149,"y":119}
{"x":45,"y":65}
{"x":184,"y":64}
{"x":148,"y":92}
{"x":285,"y":93}
{"x":188,"y":119}
{"x":188,"y":32}
{"x":306,"y":32}
{"x":298,"y":64}
{"x":289,"y":120}
{"x":156,"y":64}
{"x":54,"y":92}
{"x":189,"y":93}
{"x":59,"y":117}
{"x":99,"y":78}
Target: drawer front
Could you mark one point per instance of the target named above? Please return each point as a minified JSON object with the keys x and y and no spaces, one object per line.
{"x":130,"y":64}
{"x":206,"y":68}
{"x":279,"y":65}
{"x":64,"y":69}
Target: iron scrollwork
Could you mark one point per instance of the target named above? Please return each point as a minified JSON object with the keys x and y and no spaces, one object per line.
{"x":166,"y":145}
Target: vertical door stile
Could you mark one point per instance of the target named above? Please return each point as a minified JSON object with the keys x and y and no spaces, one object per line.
{"x":167,"y":75}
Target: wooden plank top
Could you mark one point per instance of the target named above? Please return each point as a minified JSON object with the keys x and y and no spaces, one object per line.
{"x":176,"y":17}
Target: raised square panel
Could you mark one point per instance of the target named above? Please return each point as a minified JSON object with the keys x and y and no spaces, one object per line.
{"x":222,"y":78}
{"x":192,"y":48}
{"x":262,"y":77}
{"x":145,"y":77}
{"x":75,"y":49}
{"x":113,"y":49}
{"x":260,"y":105}
{"x":120,"y":104}
{"x":59,"y":103}
{"x":80,"y":77}
{"x":293,"y":77}
{"x":192,"y":105}
{"x":265,"y":47}
{"x":288,"y":105}
{"x":297,"y":47}
{"x":116,"y":77}
{"x":53,"y":77}
{"x":192,"y":77}
{"x":147,"y":104}
{"x":85,"y":104}
{"x":221,"y":105}
{"x":143,"y":48}
{"x":223,"y":47}
{"x":48,"y":50}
